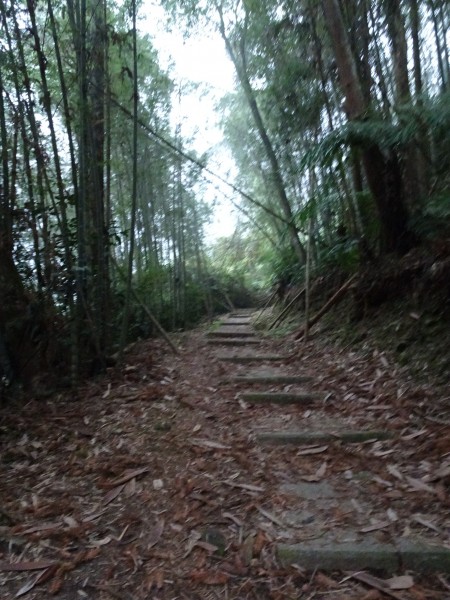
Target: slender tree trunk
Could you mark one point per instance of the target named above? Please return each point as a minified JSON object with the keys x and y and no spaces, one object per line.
{"x":129,"y":278}
{"x":415,"y":35}
{"x":443,"y":71}
{"x":241,"y":71}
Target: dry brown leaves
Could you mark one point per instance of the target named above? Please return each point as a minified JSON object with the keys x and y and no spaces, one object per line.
{"x":150,"y":484}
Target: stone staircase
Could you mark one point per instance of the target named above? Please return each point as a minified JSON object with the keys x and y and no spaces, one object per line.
{"x":324,"y":523}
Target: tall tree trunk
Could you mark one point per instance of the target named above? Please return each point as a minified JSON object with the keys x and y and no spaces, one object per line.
{"x":382,"y":171}
{"x":397,"y":34}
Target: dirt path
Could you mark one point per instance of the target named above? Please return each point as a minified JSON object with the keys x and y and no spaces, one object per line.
{"x":152,"y":482}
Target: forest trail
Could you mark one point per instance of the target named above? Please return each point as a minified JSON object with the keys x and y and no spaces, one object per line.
{"x":205,"y":475}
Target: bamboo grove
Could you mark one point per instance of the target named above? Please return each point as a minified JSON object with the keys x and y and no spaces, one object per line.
{"x":339,"y":129}
{"x":98,"y":220}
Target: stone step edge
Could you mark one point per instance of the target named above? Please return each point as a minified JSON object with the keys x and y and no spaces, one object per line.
{"x":250,"y":358}
{"x":268,"y":379}
{"x":236,"y":321}
{"x":219,"y":333}
{"x":365,"y":554}
{"x":235,"y":341}
{"x":280,"y":397}
{"x":305,"y":437}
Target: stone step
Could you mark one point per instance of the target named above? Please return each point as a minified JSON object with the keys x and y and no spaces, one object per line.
{"x":252,"y":358}
{"x":238,"y":314}
{"x":329,"y":554}
{"x":270,"y":379}
{"x":232,"y":332}
{"x":312,"y":437}
{"x":234,"y":341}
{"x":281,"y":397}
{"x":241,"y":321}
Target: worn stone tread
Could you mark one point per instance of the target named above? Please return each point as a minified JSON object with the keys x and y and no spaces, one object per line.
{"x":253,"y":357}
{"x":330,"y":555}
{"x":281,"y":397}
{"x":310,"y":437}
{"x":231,"y":332}
{"x":235,"y":341}
{"x":237,"y":322}
{"x":269,"y":379}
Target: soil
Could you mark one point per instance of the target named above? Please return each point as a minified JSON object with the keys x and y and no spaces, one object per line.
{"x":148,"y":482}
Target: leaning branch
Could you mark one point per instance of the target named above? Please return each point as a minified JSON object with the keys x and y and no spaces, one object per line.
{"x":337,"y":297}
{"x":286,"y":309}
{"x":146,"y":310}
{"x":168,"y":144}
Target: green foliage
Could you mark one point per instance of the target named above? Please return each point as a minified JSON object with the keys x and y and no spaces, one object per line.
{"x":343,"y":254}
{"x":284,"y":266}
{"x":430,"y":116}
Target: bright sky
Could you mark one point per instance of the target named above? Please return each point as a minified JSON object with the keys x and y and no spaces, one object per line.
{"x":201,"y":60}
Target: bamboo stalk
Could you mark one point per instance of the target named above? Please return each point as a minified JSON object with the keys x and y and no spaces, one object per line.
{"x":307,"y":281}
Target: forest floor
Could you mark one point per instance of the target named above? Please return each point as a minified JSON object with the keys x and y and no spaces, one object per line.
{"x":149,"y":482}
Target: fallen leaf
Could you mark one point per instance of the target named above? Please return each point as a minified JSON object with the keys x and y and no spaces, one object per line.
{"x":259,"y":542}
{"x":420,"y":485}
{"x":392,"y":469}
{"x":325,"y":581}
{"x":130,"y":487}
{"x":209,"y":577}
{"x":401,"y":582}
{"x":206,"y":546}
{"x":70,"y":521}
{"x":112,"y":494}
{"x":375,"y":526}
{"x":442,"y":472}
{"x":314,"y":450}
{"x":270,"y":516}
{"x":378,"y":584}
{"x":236,"y":520}
{"x":42,"y":527}
{"x":209,"y":444}
{"x":94,"y":543}
{"x":318,"y":475}
{"x":127,"y":476}
{"x":32,"y":583}
{"x":155,"y":534}
{"x":26,"y":565}
{"x":392,"y":515}
{"x":245,"y":486}
{"x":414,"y":434}
{"x":422,"y":521}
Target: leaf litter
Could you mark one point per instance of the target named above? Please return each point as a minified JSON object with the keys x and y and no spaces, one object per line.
{"x":89,"y":520}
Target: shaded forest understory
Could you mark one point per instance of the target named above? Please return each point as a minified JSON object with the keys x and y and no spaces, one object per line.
{"x":147,"y":480}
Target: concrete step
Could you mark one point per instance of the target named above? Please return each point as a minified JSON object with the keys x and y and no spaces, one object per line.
{"x":241,"y":313}
{"x":232,"y":332}
{"x":252,"y":358}
{"x":236,"y":321}
{"x":281,"y":397}
{"x":234,"y":341}
{"x":331,"y":554}
{"x":312,"y":437}
{"x":269,"y":379}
